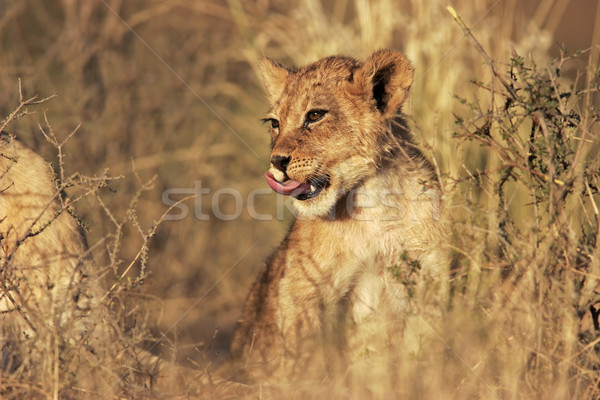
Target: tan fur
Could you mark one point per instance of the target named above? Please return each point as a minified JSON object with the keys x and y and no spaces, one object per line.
{"x":55,"y":330}
{"x":378,"y":215}
{"x":46,"y":287}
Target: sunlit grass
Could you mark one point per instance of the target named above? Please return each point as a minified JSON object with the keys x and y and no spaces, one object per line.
{"x":512,"y":329}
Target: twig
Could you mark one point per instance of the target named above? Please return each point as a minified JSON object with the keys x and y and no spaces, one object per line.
{"x":480,"y":48}
{"x":150,"y":233}
{"x":18,"y":113}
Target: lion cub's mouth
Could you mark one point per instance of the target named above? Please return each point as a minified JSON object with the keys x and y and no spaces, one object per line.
{"x":298,"y":190}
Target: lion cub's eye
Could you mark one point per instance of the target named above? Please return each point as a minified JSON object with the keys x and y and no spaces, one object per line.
{"x":314,"y":116}
{"x":273,"y":121}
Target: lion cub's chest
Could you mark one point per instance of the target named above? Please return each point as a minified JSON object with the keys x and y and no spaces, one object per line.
{"x":341,"y":264}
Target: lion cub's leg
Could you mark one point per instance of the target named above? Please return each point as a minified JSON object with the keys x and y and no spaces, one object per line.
{"x":296,"y":313}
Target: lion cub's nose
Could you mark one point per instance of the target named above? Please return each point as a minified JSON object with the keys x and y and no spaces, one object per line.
{"x":280,"y":162}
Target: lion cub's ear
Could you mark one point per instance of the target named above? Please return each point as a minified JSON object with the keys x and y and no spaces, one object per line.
{"x":387,"y":75}
{"x":274,"y":78}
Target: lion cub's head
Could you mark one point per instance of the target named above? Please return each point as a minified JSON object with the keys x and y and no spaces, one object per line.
{"x":329,"y":124}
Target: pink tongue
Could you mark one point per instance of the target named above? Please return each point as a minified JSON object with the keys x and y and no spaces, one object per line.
{"x":288,"y":187}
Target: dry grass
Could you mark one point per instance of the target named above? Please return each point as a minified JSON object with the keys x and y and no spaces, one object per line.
{"x":167,"y":93}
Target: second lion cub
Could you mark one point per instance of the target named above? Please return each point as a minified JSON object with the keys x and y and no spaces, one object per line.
{"x":369,"y":233}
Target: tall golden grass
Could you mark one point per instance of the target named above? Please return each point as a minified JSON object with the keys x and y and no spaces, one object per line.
{"x":168,"y":92}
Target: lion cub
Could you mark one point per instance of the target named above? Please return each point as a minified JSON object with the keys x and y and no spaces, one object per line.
{"x":368,"y":235}
{"x":48,"y":290}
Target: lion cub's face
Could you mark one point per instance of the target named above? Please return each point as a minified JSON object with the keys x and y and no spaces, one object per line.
{"x":328,"y":124}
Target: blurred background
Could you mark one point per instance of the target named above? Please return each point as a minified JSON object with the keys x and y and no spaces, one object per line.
{"x":169,"y":89}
